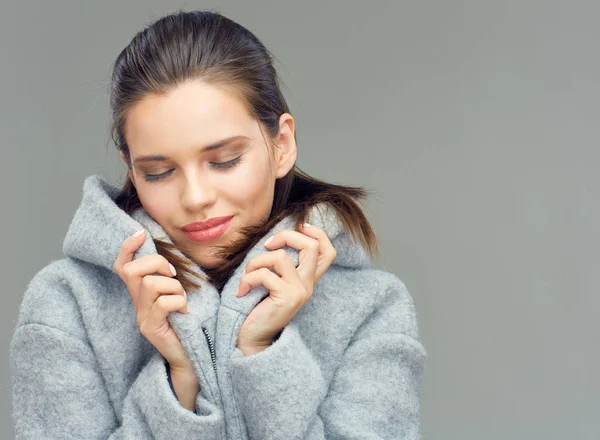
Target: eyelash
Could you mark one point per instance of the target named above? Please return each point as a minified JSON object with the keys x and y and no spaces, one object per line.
{"x":216,"y":165}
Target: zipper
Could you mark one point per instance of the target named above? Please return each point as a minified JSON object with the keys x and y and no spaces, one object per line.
{"x":212,"y":349}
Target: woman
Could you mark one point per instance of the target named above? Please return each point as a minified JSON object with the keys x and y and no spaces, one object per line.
{"x":225,"y":317}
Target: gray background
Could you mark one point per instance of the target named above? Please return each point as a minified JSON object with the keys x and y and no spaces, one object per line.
{"x":475,"y":123}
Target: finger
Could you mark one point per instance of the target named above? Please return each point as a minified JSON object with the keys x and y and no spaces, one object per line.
{"x":308,"y":252}
{"x":152,"y":287}
{"x":327,"y":252}
{"x":262,"y":276}
{"x":279,"y":260}
{"x":159,"y":311}
{"x":148,"y":265}
{"x":128,"y":248}
{"x":135,"y":270}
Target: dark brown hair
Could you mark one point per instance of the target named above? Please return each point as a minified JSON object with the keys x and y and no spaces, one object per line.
{"x":205,"y":45}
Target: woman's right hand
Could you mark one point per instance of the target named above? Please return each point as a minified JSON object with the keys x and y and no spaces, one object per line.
{"x":154,"y":296}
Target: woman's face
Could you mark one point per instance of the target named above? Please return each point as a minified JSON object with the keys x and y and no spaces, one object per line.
{"x":187,"y":184}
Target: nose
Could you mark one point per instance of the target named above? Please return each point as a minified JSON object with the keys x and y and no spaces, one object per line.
{"x":197,"y":192}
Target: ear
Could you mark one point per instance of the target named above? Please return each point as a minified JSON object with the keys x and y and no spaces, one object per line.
{"x":286,"y":153}
{"x":129,"y":171}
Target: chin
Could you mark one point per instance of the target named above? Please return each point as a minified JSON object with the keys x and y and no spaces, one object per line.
{"x":211,"y":263}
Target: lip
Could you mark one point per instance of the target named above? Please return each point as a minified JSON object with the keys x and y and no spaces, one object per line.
{"x":210,"y":233}
{"x":207,"y":224}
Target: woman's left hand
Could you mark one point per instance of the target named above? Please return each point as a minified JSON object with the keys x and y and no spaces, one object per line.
{"x":289,"y":287}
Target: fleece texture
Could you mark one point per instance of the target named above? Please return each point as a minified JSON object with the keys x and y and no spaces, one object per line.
{"x":348,"y":365}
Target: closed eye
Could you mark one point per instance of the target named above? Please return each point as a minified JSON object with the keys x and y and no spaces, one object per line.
{"x":215,"y":165}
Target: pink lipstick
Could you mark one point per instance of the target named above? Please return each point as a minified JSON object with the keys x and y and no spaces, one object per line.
{"x":207,"y":230}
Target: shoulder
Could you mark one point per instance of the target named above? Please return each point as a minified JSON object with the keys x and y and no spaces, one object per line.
{"x":354,"y":295}
{"x":358,"y":304}
{"x":379,"y":293}
{"x":50,"y":299}
{"x":369,"y":286}
{"x":395,"y":305}
{"x":386,"y":308}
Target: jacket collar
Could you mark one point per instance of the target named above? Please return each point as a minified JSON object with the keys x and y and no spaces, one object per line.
{"x":99,"y":228}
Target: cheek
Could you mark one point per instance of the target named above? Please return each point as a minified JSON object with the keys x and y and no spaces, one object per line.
{"x":250,"y":185}
{"x":159,"y":202}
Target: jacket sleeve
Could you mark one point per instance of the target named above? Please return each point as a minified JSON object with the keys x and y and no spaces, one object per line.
{"x":58,"y":391}
{"x":374,"y":393}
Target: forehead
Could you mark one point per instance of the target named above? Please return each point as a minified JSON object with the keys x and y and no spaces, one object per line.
{"x":193,"y":114}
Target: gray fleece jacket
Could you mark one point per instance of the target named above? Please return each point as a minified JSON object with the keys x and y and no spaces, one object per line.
{"x":348,"y":365}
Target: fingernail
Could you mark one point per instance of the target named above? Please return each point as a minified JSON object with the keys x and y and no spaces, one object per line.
{"x":138,"y":233}
{"x":173,"y":271}
{"x":270,"y":238}
{"x":185,"y":294}
{"x":306,"y":225}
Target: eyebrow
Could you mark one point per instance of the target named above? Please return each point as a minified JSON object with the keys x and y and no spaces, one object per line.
{"x":218,"y":144}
